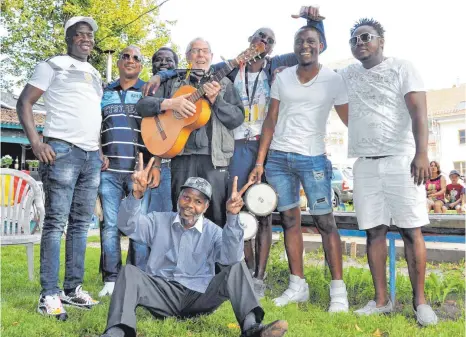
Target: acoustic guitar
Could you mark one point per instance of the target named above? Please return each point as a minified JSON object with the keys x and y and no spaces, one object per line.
{"x":165,"y":135}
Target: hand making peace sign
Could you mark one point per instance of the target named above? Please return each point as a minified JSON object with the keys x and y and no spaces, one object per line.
{"x":140,"y":177}
{"x":235,"y":203}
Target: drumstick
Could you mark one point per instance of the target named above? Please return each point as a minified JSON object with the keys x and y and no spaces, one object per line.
{"x":245,"y":187}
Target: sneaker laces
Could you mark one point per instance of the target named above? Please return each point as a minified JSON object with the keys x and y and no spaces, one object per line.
{"x":84,"y":295}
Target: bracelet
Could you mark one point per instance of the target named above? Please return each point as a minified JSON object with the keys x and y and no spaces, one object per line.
{"x":157,"y":167}
{"x":259,"y":164}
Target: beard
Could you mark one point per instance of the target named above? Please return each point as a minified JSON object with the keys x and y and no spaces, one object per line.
{"x":187,"y":221}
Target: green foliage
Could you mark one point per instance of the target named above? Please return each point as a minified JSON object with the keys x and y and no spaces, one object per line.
{"x":35,"y":30}
{"x":19,"y":302}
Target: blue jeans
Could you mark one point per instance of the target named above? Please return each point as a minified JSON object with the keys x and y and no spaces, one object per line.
{"x":70,"y":186}
{"x":243,"y":162}
{"x":159,"y":199}
{"x":114,"y":186}
{"x":286,"y":170}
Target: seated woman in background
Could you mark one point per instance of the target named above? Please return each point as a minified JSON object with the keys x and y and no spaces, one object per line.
{"x":435,"y":187}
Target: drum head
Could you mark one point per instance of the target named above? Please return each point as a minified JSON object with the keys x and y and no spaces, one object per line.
{"x":261,"y":199}
{"x":249,"y":224}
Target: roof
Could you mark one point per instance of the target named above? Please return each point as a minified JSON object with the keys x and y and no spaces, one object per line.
{"x":9,"y":116}
{"x":9,"y":100}
{"x":446,"y":102}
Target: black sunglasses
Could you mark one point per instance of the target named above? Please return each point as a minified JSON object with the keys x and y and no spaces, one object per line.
{"x":364,"y":38}
{"x":269,"y":40}
{"x":127,"y":57}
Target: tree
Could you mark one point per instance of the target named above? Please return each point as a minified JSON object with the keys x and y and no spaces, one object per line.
{"x":35,"y":31}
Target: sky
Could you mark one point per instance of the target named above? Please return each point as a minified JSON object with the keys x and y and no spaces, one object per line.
{"x":427,"y":35}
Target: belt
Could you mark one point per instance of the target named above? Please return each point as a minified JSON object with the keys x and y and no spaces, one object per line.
{"x":258,"y":137}
{"x":49,"y":139}
{"x":376,"y":157}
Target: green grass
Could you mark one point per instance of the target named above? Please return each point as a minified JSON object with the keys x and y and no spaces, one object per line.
{"x":20,"y":319}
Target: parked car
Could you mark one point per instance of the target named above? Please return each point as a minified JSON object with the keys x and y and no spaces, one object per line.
{"x":342,"y":185}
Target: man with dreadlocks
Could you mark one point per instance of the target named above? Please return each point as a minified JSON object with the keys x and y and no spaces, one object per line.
{"x":70,"y":161}
{"x":388,"y":133}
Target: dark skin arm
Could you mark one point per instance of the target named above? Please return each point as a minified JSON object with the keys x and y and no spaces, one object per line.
{"x":268,"y":129}
{"x":26,"y":100}
{"x":342,"y":111}
{"x":417,"y":106}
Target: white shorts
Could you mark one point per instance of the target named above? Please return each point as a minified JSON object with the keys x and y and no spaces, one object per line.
{"x":384,"y":190}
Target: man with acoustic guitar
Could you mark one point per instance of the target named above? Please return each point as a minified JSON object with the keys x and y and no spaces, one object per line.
{"x":208,"y":149}
{"x":194,"y":265}
{"x":252,"y":81}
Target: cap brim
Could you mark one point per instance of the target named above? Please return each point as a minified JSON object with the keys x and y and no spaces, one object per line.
{"x":194,"y":188}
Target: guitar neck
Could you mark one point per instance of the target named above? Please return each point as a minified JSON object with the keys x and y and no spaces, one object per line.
{"x":226,"y":69}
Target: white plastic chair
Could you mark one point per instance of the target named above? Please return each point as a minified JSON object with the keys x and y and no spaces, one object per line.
{"x":18,"y":207}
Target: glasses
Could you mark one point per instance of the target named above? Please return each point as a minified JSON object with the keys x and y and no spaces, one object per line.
{"x":363,"y":38}
{"x":197,"y":51}
{"x":263,"y":36}
{"x":127,"y":57}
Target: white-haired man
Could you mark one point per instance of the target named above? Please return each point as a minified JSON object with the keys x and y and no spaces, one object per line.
{"x":208,"y":150}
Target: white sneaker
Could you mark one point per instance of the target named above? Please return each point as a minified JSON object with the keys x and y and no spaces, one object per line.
{"x":371,"y":309}
{"x":107,"y":289}
{"x":338,"y":297}
{"x":425,"y":315}
{"x":52,"y":306}
{"x":298,"y":291}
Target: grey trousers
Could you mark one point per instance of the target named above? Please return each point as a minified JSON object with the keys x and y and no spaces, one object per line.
{"x":164,"y":298}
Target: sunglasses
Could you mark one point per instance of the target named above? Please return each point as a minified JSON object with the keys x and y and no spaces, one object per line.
{"x":363,"y":38}
{"x":127,"y":57}
{"x":266,"y":38}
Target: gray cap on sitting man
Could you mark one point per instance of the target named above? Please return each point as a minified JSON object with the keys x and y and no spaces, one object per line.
{"x":199,"y":184}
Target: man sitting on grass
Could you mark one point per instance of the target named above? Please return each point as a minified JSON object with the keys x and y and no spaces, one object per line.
{"x":181,"y":278}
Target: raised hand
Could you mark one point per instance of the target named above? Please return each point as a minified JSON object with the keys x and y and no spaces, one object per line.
{"x":140,"y":177}
{"x":235,"y":203}
{"x":309,"y":12}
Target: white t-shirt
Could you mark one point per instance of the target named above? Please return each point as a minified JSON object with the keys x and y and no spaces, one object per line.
{"x":73,"y":92}
{"x":255,"y":111}
{"x":379,"y":121}
{"x":304,"y":110}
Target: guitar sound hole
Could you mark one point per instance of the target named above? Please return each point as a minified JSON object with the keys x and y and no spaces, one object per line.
{"x":177,"y":115}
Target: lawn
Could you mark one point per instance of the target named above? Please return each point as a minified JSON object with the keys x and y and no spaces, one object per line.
{"x":20,"y":319}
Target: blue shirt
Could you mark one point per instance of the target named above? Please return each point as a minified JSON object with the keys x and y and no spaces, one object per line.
{"x":120,"y":135}
{"x":187,"y":256}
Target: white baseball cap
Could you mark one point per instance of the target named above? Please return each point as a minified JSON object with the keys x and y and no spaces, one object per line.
{"x":86,"y":19}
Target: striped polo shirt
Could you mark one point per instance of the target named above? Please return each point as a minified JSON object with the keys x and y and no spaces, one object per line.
{"x":120,"y":134}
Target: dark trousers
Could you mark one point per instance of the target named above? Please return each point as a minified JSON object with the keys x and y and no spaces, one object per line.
{"x":183,"y":167}
{"x":164,"y":298}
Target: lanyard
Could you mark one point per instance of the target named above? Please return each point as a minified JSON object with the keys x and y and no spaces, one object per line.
{"x":251,"y":99}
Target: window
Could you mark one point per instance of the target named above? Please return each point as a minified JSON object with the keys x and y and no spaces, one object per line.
{"x":462,"y":136}
{"x":460,"y":166}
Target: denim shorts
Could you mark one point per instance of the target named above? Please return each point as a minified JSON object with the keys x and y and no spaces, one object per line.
{"x":285,"y":171}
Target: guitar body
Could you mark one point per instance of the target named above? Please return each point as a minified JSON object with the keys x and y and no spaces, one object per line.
{"x":166,"y":135}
